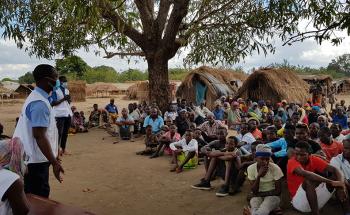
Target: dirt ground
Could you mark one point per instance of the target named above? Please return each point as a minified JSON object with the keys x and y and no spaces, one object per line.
{"x":110,"y":179}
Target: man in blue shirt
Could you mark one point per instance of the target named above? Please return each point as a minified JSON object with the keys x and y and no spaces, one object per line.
{"x":341,"y":118}
{"x":219,"y":112}
{"x":154,"y":120}
{"x":112,"y":110}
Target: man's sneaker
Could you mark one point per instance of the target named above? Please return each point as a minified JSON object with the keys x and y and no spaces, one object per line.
{"x":223,"y":191}
{"x":203,"y":185}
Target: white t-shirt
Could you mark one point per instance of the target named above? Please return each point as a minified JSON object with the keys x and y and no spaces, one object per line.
{"x":7,"y":178}
{"x":248,"y":138}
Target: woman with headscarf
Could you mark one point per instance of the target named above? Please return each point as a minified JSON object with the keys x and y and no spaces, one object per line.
{"x":12,"y":170}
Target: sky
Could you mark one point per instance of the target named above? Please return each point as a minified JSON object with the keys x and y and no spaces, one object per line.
{"x":15,"y":62}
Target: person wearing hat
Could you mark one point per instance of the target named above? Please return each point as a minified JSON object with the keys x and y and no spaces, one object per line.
{"x":265,"y":180}
{"x":218,"y":112}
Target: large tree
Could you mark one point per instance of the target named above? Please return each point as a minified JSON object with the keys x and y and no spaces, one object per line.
{"x":215,"y":31}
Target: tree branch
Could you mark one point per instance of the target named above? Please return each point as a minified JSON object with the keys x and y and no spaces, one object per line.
{"x":162,"y":15}
{"x":119,"y":23}
{"x":146,"y":15}
{"x":122,"y":54}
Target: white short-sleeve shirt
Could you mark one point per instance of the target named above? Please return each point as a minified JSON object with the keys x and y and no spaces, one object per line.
{"x":7,"y":178}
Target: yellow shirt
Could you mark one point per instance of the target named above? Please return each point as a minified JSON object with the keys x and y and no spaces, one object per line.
{"x":267,"y":183}
{"x":280,"y":132}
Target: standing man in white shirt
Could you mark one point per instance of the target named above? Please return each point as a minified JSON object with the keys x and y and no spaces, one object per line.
{"x":60,"y":101}
{"x":37,"y":131}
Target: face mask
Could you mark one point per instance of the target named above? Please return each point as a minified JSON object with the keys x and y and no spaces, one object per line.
{"x":64,"y":84}
{"x":58,"y":83}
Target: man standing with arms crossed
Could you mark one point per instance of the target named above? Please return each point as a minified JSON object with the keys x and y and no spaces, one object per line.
{"x":37,"y":130}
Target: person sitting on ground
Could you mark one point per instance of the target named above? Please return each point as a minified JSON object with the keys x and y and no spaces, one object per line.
{"x":266,"y":183}
{"x":329,"y":146}
{"x":182,"y":122}
{"x":336,"y":130}
{"x":277,"y":122}
{"x":255,"y":111}
{"x":165,"y":140}
{"x":309,"y":190}
{"x":340,"y":118}
{"x":234,"y":116}
{"x":314,"y":128}
{"x":342,"y":163}
{"x":218,"y":112}
{"x":322,"y":121}
{"x":95,"y":117}
{"x":77,"y":125}
{"x":224,"y":163}
{"x":253,"y":123}
{"x":154,"y":120}
{"x":246,"y":160}
{"x":134,"y":112}
{"x":151,"y":142}
{"x":112,"y":111}
{"x":187,"y":148}
{"x":210,"y":128}
{"x":313,"y":115}
{"x":3,"y":136}
{"x":12,"y":170}
{"x":295,"y":118}
{"x":172,"y":113}
{"x":271,"y":134}
{"x":197,"y":134}
{"x":281,"y":146}
{"x":82,"y":115}
{"x":245,"y":138}
{"x":125,"y":126}
{"x":281,"y":113}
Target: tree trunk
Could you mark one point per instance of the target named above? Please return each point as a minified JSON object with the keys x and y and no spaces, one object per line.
{"x":158,"y":81}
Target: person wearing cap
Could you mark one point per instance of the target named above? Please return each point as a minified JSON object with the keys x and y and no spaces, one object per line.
{"x":182,"y":122}
{"x":314,"y":113}
{"x":218,"y":112}
{"x":340,"y":118}
{"x":310,"y":191}
{"x":266,"y":184}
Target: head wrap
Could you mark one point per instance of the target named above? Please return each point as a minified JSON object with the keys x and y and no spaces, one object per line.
{"x":12,"y":156}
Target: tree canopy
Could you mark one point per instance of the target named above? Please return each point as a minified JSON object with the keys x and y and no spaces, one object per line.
{"x":72,"y":65}
{"x":26,"y":78}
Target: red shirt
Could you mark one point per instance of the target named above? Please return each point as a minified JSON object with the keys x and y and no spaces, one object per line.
{"x":315,"y":164}
{"x":257,"y":134}
{"x":332,"y":150}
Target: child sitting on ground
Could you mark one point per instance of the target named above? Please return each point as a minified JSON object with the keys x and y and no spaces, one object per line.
{"x":265,"y":180}
{"x":151,"y":142}
{"x":187,"y":148}
{"x":165,"y":140}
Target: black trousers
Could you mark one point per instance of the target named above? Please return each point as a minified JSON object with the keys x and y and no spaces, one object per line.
{"x":36,"y":181}
{"x":63,"y":125}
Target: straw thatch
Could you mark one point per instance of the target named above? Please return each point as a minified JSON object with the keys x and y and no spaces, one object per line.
{"x":274,"y":85}
{"x":77,"y":91}
{"x":220,"y":82}
{"x":140,"y":91}
{"x":101,"y":89}
{"x":24,"y":90}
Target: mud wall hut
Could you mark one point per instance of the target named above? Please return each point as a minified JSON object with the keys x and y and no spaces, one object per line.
{"x":274,"y":85}
{"x":208,"y":84}
{"x":77,"y":90}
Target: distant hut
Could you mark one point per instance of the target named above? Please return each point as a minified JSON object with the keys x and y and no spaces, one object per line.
{"x":77,"y":90}
{"x":24,"y":90}
{"x":274,"y":85}
{"x":209,"y":84}
{"x":140,"y":91}
{"x":342,"y":86}
{"x":323,"y":82}
{"x":101,"y":89}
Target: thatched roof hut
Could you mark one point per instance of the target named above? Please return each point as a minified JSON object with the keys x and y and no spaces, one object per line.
{"x":274,"y":85}
{"x":140,"y":91}
{"x":101,"y":89}
{"x":24,"y":90}
{"x":77,"y":90}
{"x":209,"y":84}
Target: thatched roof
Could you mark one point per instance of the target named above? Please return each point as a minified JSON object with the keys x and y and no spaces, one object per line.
{"x":274,"y":85}
{"x":217,"y":80}
{"x":308,"y":78}
{"x":101,"y":87}
{"x":77,"y":90}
